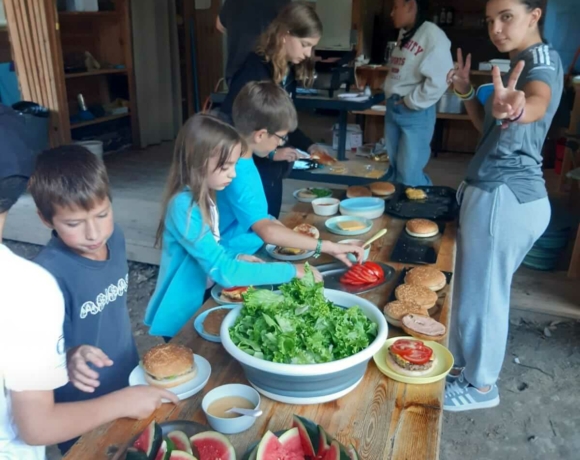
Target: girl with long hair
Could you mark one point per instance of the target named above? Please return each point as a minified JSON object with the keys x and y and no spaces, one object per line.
{"x":192,"y":260}
{"x":284,"y":55}
{"x":416,"y":81}
{"x":504,"y":202}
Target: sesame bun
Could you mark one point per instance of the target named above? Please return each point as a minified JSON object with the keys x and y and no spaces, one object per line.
{"x":411,"y":373}
{"x":423,"y":328}
{"x":422,"y":228}
{"x":168,"y":365}
{"x":308,"y":230}
{"x":420,"y":295}
{"x":358,"y":191}
{"x":428,"y":277}
{"x":395,"y":310}
{"x":382,"y":188}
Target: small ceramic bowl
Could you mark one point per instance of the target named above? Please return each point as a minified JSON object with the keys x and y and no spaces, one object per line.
{"x":356,"y":243}
{"x":325,"y":206}
{"x":231,"y":425}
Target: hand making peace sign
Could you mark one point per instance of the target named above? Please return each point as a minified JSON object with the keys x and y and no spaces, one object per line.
{"x":459,"y":76}
{"x":508,"y":102}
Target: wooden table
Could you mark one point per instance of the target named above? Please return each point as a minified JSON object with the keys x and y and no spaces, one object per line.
{"x":384,"y":419}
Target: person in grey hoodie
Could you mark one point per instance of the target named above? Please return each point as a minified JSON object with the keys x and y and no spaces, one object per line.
{"x":418,"y":70}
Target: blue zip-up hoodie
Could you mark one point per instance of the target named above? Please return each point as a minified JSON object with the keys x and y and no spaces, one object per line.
{"x":190,"y":254}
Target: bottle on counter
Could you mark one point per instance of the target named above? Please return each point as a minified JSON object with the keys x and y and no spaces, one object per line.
{"x":450,"y":16}
{"x":443,"y":17}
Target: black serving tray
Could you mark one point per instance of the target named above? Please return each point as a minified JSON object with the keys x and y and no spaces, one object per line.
{"x":412,"y":250}
{"x":331,"y":274}
{"x":440,"y":204}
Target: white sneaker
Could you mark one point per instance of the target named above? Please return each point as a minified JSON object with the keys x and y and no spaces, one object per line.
{"x":460,"y":395}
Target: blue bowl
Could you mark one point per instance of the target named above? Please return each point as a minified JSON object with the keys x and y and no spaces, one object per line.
{"x":363,"y":204}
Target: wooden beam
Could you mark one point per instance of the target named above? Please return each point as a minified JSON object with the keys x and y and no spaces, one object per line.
{"x":35,"y":46}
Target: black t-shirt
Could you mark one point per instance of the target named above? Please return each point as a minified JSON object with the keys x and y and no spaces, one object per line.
{"x":245,"y":20}
{"x":16,"y":155}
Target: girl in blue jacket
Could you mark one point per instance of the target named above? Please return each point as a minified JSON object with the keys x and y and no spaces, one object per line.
{"x":192,"y":260}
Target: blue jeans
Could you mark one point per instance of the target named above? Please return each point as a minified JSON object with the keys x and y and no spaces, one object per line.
{"x":408,"y":135}
{"x":495,"y":234}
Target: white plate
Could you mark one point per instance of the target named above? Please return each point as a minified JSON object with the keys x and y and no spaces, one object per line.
{"x":216,"y":291}
{"x":270,"y":249}
{"x":185,"y":390}
{"x":310,"y":200}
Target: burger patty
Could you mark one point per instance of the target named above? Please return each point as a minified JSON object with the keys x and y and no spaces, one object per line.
{"x":411,"y":366}
{"x":171,"y":377}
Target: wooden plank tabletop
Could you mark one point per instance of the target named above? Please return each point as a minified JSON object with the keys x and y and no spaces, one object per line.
{"x":384,"y":419}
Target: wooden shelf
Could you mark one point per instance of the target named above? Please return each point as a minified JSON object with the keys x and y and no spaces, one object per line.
{"x":94,"y":73}
{"x":99,"y":120}
{"x":88,"y":14}
{"x":440,"y":116}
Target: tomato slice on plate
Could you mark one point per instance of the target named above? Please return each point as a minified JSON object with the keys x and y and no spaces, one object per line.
{"x":351,"y":281}
{"x":368,"y":275}
{"x":355,"y":275}
{"x":419,"y":356}
{"x":375,"y":268}
{"x":413,"y":351}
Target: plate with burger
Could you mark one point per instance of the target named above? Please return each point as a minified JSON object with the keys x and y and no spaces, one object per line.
{"x":208,"y":323}
{"x":173,"y":367}
{"x":410,"y":360}
{"x":233,"y":295}
{"x":294,"y":254}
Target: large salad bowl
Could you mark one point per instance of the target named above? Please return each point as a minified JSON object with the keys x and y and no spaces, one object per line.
{"x":309,"y":383}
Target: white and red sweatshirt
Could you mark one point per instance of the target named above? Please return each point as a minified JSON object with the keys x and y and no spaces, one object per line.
{"x":418,"y":72}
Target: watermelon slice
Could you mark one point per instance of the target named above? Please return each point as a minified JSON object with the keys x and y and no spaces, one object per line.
{"x":308,"y":435}
{"x":163,"y":451}
{"x":212,"y":445}
{"x":324,"y":441}
{"x":270,"y":448}
{"x":180,"y":441}
{"x":134,"y":454}
{"x":336,"y":452}
{"x":292,"y":443}
{"x":150,"y":440}
{"x":352,"y":453}
{"x":180,"y":455}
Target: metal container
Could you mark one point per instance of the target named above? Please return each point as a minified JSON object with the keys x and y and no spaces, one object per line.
{"x":450,"y":103}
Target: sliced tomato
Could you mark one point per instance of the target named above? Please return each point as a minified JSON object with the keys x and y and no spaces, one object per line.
{"x":346,"y":279}
{"x":403,"y":345}
{"x":419,"y":356}
{"x":375,"y":268}
{"x":356,"y":274}
{"x":365,"y":273}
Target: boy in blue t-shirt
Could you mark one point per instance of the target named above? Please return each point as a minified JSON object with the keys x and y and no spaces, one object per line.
{"x":264,"y":114}
{"x":86,"y":255}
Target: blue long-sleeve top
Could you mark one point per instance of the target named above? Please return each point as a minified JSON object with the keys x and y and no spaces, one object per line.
{"x":190,"y":254}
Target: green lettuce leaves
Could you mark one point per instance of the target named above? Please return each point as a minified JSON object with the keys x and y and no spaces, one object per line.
{"x":300,"y":326}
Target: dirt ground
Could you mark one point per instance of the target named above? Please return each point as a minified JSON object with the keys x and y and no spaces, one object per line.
{"x":539,"y":414}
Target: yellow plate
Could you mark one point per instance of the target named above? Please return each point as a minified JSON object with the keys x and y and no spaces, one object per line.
{"x":440,"y":370}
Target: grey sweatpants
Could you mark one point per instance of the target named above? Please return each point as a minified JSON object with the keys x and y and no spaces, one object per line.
{"x":495,"y":234}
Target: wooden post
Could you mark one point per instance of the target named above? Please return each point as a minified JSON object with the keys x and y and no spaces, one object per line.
{"x":33,"y":31}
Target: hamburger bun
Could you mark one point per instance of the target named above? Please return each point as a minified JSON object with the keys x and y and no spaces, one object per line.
{"x":420,"y":295}
{"x":422,"y":228}
{"x":358,"y":191}
{"x":213,"y":321}
{"x":322,"y":157}
{"x":168,"y":365}
{"x":423,"y":328}
{"x":308,"y":230}
{"x":382,"y":188}
{"x":428,"y":277}
{"x":395,"y":310}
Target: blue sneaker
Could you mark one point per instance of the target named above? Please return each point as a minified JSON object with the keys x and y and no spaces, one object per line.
{"x":460,"y":395}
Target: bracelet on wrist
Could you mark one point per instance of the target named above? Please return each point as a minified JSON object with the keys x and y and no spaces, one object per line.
{"x":467,"y":96}
{"x":318,"y":249}
{"x":513,"y":120}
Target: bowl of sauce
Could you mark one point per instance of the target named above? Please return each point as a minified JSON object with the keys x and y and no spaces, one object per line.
{"x":218,"y":401}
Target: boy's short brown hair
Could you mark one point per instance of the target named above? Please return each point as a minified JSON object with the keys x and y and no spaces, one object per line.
{"x":264,"y":105}
{"x":68,"y":176}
